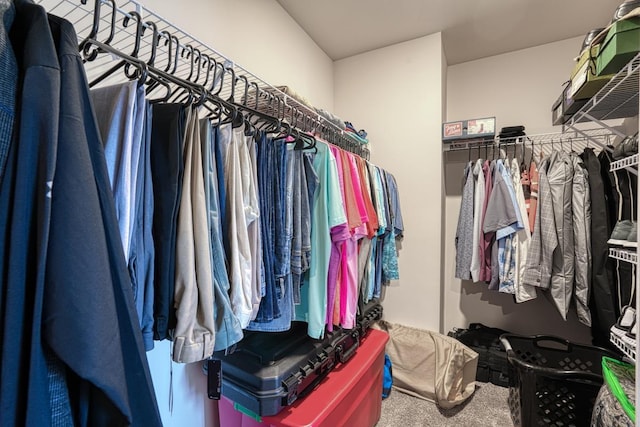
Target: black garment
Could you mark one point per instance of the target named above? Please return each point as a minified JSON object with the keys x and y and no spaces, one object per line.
{"x":167,"y":135}
{"x":25,"y":208}
{"x":89,"y":317}
{"x":603,"y":302}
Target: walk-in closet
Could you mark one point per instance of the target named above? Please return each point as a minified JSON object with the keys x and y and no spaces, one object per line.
{"x":246,"y":213}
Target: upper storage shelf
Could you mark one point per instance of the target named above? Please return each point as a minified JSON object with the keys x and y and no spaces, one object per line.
{"x":617,"y":99}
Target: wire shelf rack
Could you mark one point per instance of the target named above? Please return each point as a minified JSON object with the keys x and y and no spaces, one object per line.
{"x":187,"y":58}
{"x":624,"y":255}
{"x":624,"y":344}
{"x":627,"y":162}
{"x":617,"y":99}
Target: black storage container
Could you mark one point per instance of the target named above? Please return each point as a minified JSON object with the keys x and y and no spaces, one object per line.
{"x":268,"y":371}
{"x":554,"y":382}
{"x":492,"y":359}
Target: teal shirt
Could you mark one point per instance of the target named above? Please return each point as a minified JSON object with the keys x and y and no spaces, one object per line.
{"x":328,"y":212}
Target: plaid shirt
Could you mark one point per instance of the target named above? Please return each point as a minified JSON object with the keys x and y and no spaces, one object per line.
{"x":8,"y":82}
{"x":544,"y":239}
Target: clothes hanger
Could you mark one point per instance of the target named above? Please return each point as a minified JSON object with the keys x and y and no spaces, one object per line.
{"x":126,"y":63}
{"x":154,"y":81}
{"x":185,"y":94}
{"x":84,"y":45}
{"x":206,"y":63}
{"x":217,"y":76}
{"x":197,"y":64}
{"x":139,"y":72}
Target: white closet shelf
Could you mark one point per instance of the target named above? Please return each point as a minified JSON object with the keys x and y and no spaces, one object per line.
{"x":627,"y":348}
{"x":624,"y":255}
{"x":617,"y":99}
{"x":627,"y":162}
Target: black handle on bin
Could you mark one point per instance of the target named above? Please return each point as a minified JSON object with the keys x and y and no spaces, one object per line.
{"x":515,"y":360}
{"x":541,"y":339}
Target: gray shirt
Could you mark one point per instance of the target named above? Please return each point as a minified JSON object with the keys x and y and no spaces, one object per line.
{"x":464,"y":231}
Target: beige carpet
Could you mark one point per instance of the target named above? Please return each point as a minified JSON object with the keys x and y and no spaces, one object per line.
{"x":487,"y":408}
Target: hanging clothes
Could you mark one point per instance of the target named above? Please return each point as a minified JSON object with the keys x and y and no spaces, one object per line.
{"x":195,"y":329}
{"x":8,"y":82}
{"x":521,"y":240}
{"x":78,"y":287}
{"x":327,"y":214}
{"x":25,"y":218}
{"x":581,"y":204}
{"x":478,"y":203}
{"x":121,"y":111}
{"x":240,"y":212}
{"x":488,"y":239}
{"x":390,"y":268}
{"x":276,"y":314}
{"x":167,"y":169}
{"x":464,"y":231}
{"x":603,"y":301}
{"x":383,"y":231}
{"x":284,"y":183}
{"x":503,"y":217}
{"x":339,"y":237}
{"x":533,"y":200}
{"x":349,"y":289}
{"x":227,"y":327}
{"x":255,"y":228}
{"x":560,"y":176}
{"x":544,"y":239}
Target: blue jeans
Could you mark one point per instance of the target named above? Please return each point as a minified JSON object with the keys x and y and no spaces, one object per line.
{"x":371,"y":282}
{"x":282,"y":235}
{"x":296,"y":237}
{"x":266,"y":175}
{"x":284,"y":284}
{"x":310,"y":182}
{"x":219,"y":159}
{"x":228,"y":329}
{"x":142,"y":240}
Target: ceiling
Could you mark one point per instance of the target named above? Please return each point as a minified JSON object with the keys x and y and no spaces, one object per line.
{"x":471,"y":29}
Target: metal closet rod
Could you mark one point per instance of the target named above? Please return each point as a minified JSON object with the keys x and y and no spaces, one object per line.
{"x":589,"y":136}
{"x":165,"y":33}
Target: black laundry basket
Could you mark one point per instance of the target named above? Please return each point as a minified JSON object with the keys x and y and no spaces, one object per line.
{"x":554,"y":382}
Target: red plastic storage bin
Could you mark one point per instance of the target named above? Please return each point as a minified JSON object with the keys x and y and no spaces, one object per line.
{"x":350,"y":395}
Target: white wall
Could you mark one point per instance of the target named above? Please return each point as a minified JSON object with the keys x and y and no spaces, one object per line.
{"x":395,"y":94}
{"x":259,"y":36}
{"x":518,"y":88}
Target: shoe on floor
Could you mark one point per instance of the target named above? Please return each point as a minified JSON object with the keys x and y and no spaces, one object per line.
{"x":632,"y":238}
{"x":620,"y":232}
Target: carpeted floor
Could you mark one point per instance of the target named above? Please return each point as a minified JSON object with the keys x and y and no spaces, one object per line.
{"x":487,"y":408}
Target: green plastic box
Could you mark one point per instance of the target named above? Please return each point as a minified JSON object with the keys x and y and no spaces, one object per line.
{"x":621,"y":44}
{"x":584,"y":81}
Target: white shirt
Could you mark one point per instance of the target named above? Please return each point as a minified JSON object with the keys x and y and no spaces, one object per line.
{"x":521,"y":239}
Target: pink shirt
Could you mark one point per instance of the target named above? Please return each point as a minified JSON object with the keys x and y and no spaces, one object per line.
{"x":339,"y":235}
